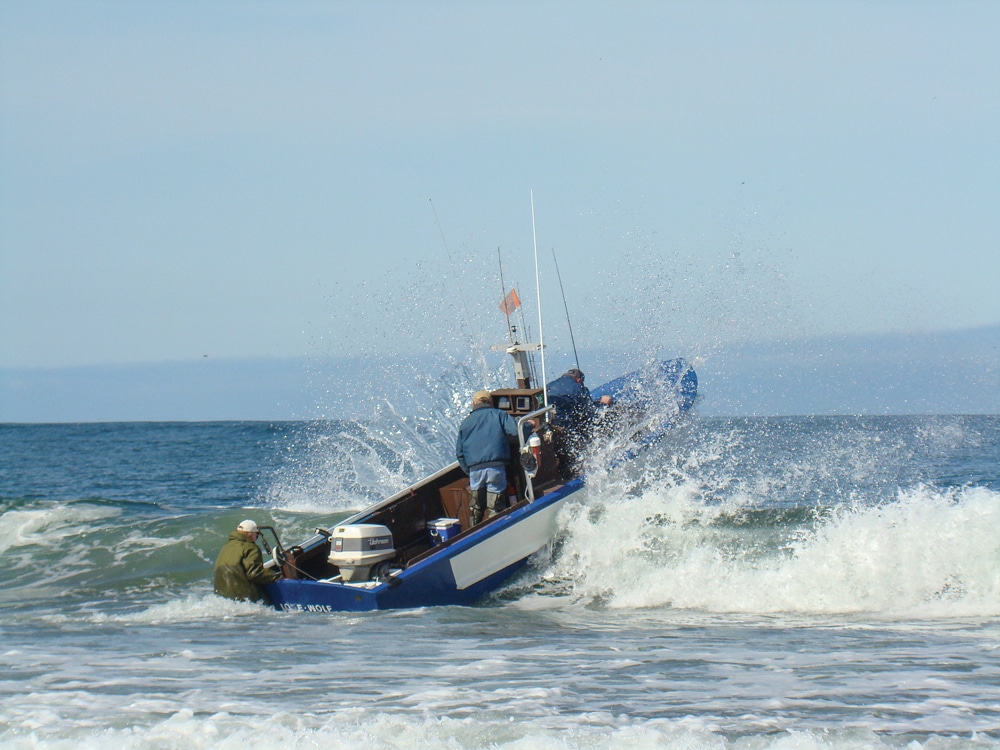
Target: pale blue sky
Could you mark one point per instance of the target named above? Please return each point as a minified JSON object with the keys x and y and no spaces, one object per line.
{"x":180,"y":179}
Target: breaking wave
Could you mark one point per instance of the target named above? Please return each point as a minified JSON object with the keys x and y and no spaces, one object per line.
{"x":926,"y":553}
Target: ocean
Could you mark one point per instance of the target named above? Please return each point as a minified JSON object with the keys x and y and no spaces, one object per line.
{"x":810,"y":582}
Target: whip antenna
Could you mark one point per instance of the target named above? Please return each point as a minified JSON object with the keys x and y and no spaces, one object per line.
{"x":538,"y":294}
{"x":566,"y":308}
{"x":458,"y":285}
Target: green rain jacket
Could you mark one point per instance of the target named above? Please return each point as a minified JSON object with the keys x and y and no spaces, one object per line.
{"x":240,"y":572}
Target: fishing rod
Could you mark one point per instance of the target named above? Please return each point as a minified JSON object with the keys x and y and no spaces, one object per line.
{"x":458,"y":285}
{"x":538,"y":294}
{"x":566,"y":308}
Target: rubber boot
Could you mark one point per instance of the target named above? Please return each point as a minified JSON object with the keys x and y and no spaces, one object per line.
{"x":477,"y":504}
{"x":495,"y":502}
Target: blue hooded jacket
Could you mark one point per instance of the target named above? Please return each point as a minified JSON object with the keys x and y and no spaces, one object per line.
{"x":482,"y":438}
{"x":574,"y":406}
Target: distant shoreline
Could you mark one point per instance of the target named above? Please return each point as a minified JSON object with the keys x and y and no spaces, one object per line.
{"x":944,"y":373}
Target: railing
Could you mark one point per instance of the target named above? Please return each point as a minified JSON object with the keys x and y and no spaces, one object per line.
{"x":529,"y":489}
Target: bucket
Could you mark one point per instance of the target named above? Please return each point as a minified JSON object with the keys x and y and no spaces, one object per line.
{"x":443,"y":529}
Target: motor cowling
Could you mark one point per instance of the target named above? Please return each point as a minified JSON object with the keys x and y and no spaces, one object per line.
{"x":356,"y":548}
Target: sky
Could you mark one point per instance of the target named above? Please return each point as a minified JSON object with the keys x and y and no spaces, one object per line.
{"x":185,"y":180}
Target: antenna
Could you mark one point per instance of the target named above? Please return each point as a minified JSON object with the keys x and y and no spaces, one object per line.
{"x":526,"y":335}
{"x":566,"y":308}
{"x":538,"y":294}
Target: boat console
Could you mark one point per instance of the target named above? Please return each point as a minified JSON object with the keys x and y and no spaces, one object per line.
{"x":518,"y":401}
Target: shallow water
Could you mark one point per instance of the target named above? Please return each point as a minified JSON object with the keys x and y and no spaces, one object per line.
{"x":800,"y":582}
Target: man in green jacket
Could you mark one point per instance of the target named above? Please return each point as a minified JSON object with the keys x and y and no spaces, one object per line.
{"x":240,"y":571}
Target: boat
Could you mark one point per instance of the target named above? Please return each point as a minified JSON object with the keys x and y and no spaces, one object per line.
{"x":417,"y":547}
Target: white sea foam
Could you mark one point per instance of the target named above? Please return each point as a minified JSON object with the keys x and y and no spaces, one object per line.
{"x":190,"y":608}
{"x":595,"y":731}
{"x":49,"y":526}
{"x":930,"y":552}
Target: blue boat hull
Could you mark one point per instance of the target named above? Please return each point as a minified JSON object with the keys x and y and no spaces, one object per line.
{"x":461,"y":572}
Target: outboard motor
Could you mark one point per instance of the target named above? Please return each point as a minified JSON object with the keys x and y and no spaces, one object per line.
{"x":357,"y":547}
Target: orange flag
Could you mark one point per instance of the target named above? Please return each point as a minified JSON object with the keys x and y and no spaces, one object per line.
{"x":510,"y":303}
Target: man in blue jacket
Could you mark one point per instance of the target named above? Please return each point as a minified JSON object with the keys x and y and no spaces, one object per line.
{"x":575,"y":409}
{"x":483,"y":452}
{"x":576,"y":412}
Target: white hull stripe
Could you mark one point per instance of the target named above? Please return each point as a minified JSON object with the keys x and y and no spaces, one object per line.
{"x":514,"y":543}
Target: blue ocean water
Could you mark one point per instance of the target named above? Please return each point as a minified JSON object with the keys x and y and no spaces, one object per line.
{"x":805,"y":582}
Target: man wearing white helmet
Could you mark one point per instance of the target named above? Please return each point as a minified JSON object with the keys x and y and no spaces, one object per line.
{"x":240,"y":571}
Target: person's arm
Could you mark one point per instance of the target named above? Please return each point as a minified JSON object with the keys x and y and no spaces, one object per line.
{"x":602,"y":401}
{"x":509,"y":424}
{"x":460,"y":452}
{"x":253,"y":563}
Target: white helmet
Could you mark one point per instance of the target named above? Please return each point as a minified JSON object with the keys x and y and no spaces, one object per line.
{"x":249,"y":527}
